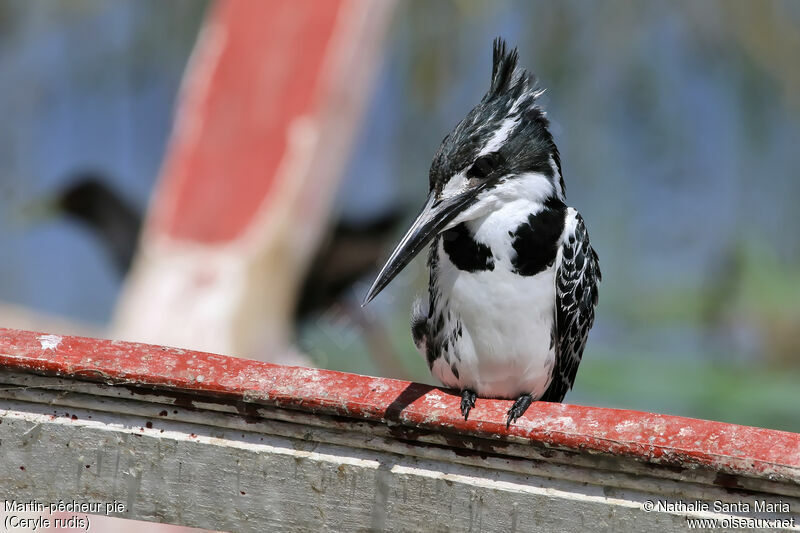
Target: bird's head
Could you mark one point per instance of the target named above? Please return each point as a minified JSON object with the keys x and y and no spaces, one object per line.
{"x":501,"y":152}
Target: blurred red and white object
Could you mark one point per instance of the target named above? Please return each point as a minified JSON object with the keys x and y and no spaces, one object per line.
{"x":271,"y":102}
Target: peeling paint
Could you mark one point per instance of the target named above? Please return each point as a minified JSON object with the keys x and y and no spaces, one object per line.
{"x":377,"y":385}
{"x":626,"y":425}
{"x":561,"y":423}
{"x":49,"y":342}
{"x":435,"y":400}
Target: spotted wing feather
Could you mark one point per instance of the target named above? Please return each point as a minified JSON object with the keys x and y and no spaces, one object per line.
{"x":577,"y":277}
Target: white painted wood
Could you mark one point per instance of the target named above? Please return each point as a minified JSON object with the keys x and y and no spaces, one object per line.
{"x":205,"y":465}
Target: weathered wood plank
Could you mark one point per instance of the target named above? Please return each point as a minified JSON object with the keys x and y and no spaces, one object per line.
{"x":216,"y":442}
{"x":237,"y":480}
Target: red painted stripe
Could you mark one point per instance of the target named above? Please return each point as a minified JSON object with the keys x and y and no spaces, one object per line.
{"x":654,"y":438}
{"x":257,"y":71}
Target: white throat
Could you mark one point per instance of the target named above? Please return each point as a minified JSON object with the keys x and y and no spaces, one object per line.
{"x":530,"y":189}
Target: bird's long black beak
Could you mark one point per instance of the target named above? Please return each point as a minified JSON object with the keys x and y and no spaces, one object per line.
{"x":436,"y":214}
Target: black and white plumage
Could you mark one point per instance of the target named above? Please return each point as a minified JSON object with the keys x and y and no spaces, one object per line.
{"x":513,"y":277}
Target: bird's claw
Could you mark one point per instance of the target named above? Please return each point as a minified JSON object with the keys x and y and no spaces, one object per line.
{"x":518,"y":409}
{"x":467,"y":402}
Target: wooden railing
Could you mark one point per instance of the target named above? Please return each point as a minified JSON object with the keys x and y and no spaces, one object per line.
{"x":223,"y":443}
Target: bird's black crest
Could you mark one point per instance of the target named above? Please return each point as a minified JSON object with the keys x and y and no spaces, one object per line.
{"x":529,"y":147}
{"x":506,"y":77}
{"x":504,"y":63}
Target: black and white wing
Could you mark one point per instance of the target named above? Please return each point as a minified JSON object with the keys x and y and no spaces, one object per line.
{"x":577,"y":277}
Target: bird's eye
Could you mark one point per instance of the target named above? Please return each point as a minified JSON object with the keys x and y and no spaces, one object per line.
{"x":484,"y":166}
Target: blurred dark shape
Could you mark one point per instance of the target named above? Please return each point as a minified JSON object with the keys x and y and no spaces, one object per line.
{"x":351,"y":250}
{"x":736,"y":323}
{"x":722,"y":287}
{"x":89,"y":200}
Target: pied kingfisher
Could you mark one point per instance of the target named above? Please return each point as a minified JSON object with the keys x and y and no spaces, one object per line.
{"x":513,"y":278}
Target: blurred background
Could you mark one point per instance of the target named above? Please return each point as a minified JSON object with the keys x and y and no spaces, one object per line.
{"x":678,"y":125}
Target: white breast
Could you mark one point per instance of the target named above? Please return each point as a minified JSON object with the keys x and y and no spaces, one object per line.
{"x":505,"y":347}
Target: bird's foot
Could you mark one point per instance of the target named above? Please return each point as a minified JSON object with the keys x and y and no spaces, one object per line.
{"x":468,"y":398}
{"x":518,"y":409}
